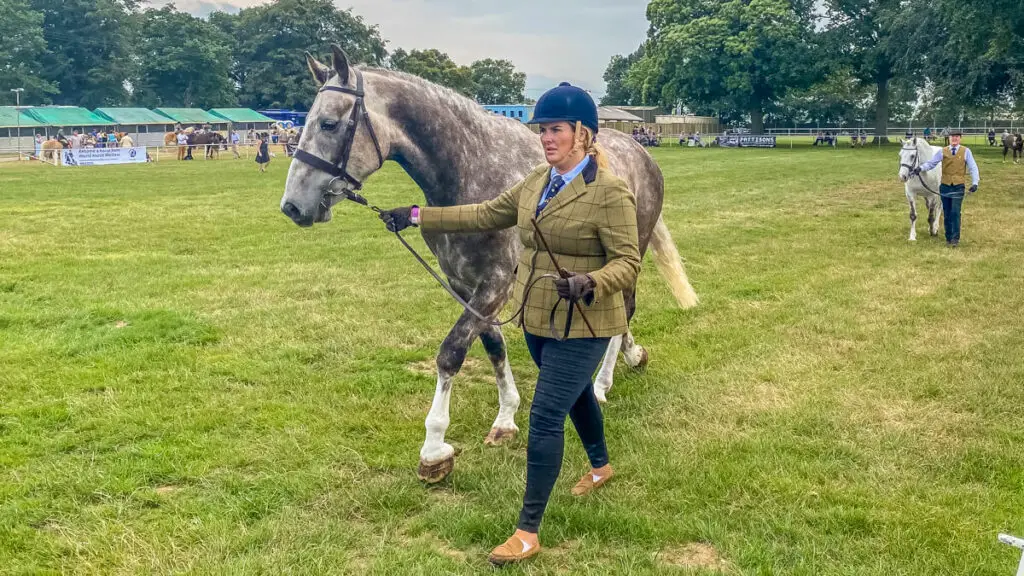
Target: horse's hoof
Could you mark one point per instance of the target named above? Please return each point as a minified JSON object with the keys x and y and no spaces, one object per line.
{"x":432,"y":473}
{"x":642,"y":364}
{"x":637,"y":362}
{"x":499,"y":436}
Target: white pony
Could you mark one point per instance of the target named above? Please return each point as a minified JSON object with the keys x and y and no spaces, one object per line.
{"x":917,"y":151}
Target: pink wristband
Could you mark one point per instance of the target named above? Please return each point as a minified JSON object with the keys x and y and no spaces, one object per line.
{"x":415,"y":215}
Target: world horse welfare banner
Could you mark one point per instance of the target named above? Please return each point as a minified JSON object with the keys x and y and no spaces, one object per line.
{"x":746,"y":141}
{"x":102,"y":156}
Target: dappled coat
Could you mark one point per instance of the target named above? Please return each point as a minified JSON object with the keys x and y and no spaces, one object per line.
{"x":591,"y":228}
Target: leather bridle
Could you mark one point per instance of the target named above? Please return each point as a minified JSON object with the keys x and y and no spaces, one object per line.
{"x":339,"y":171}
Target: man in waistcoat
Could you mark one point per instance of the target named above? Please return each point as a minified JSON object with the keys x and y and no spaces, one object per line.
{"x":956,"y":161}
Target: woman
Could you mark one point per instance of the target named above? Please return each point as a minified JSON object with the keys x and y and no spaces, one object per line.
{"x":588,"y":217}
{"x":262,"y":152}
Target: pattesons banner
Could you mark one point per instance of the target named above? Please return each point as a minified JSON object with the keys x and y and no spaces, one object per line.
{"x":746,"y":141}
{"x":102,"y":156}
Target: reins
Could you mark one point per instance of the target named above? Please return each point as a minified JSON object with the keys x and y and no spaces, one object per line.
{"x":358,"y":199}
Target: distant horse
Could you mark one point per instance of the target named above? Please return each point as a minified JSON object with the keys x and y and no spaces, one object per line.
{"x":213,"y":141}
{"x":1013,"y":142}
{"x":51,"y":150}
{"x":458,"y":153}
{"x":915,"y":152}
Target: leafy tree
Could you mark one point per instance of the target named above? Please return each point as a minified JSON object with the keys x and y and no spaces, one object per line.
{"x":977,"y":59}
{"x":840,"y":98}
{"x":437,"y":67}
{"x":497,"y":82}
{"x":881,"y":41}
{"x":731,"y":54}
{"x":270,"y":68}
{"x":183,"y":61}
{"x":88,"y":50}
{"x":21,"y":51}
{"x":617,"y":91}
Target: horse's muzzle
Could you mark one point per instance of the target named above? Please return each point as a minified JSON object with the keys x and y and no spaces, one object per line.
{"x":292,"y":211}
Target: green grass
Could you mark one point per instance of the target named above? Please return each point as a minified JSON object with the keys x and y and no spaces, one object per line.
{"x":189,"y":383}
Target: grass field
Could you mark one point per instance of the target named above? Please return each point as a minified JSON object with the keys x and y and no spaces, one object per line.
{"x":189,"y":383}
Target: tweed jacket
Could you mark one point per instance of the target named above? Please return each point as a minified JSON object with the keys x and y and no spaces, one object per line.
{"x":590,"y":226}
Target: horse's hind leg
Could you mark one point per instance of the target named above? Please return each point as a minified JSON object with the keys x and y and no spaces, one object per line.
{"x":633,"y":353}
{"x":504,"y":427}
{"x":934,"y":211}
{"x":605,"y":376}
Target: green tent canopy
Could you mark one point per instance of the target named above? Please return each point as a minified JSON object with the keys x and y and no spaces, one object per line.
{"x":12,"y":118}
{"x":189,"y":116}
{"x":66,"y":116}
{"x":126,"y":116}
{"x":240,"y":115}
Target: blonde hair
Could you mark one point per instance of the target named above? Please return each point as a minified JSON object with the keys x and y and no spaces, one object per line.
{"x":587,"y":142}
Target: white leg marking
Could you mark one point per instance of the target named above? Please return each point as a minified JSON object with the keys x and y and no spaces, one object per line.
{"x":603,"y":383}
{"x":434,"y":447}
{"x":508,"y":399}
{"x":912,"y":199}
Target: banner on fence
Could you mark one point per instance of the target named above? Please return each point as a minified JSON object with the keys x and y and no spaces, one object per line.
{"x":102,"y":156}
{"x":746,"y":141}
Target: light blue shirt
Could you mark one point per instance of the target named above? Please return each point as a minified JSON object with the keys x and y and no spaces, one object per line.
{"x":567,"y":177}
{"x":972,"y":166}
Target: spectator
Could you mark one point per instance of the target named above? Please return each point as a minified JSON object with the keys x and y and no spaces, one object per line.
{"x":263,"y":152}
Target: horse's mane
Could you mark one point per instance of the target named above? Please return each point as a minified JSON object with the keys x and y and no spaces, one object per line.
{"x":467,"y":109}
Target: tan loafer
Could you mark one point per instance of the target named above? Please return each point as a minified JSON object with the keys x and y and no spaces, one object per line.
{"x":586,"y":485}
{"x":513,"y":550}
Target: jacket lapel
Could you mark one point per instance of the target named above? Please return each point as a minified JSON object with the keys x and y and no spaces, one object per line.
{"x":575,"y":189}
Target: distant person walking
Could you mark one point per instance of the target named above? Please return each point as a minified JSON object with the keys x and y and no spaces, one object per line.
{"x":263,"y":152}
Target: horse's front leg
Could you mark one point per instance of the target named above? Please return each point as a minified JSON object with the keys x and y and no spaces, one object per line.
{"x":504,"y":427}
{"x":912,"y":200}
{"x":437,"y":457}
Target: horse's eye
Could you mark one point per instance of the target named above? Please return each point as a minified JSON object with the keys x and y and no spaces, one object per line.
{"x":328,"y":125}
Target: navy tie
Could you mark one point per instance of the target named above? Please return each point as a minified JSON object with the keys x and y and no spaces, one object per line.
{"x":553,"y":188}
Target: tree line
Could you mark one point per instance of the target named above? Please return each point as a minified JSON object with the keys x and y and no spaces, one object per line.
{"x":96,"y":53}
{"x":827,"y":62}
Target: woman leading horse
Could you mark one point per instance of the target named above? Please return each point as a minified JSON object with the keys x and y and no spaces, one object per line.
{"x":586,"y":216}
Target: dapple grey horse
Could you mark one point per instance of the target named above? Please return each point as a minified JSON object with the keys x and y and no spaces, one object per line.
{"x":457,"y":153}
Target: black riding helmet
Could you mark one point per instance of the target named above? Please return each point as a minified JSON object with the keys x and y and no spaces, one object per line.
{"x":566,"y":103}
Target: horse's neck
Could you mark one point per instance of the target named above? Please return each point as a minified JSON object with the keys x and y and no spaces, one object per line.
{"x":447,"y":144}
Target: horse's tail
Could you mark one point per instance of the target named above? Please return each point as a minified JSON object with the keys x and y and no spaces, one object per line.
{"x":670,"y":265}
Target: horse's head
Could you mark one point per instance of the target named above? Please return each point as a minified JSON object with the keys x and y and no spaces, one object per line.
{"x":345,"y":140}
{"x":910,"y":158}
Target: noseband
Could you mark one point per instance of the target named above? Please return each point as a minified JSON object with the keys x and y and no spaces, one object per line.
{"x":340,"y":170}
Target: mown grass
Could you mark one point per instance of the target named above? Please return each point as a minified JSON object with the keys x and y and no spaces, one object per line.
{"x":192,"y":384}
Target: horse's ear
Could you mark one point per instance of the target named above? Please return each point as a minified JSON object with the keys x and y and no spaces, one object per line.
{"x":340,"y":61}
{"x":321,"y":73}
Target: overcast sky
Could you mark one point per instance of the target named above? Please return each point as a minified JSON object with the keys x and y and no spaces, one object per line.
{"x":550,"y":40}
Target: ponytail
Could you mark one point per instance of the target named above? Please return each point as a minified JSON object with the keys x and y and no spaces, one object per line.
{"x":586,"y":141}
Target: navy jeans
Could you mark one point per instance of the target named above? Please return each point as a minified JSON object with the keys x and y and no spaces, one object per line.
{"x":565,"y":386}
{"x":952,"y":200}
